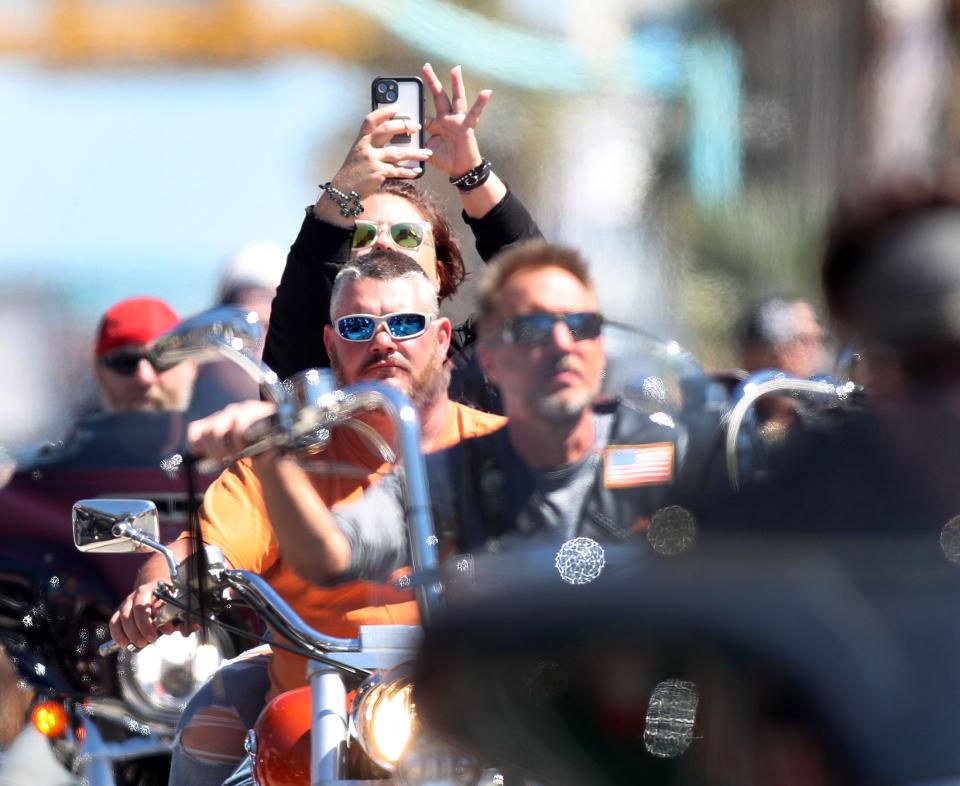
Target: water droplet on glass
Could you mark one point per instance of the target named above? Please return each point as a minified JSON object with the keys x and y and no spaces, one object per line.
{"x":672,"y":530}
{"x":27,"y":621}
{"x":170,"y":466}
{"x":36,"y":475}
{"x":432,"y":540}
{"x":654,"y":389}
{"x":580,"y":561}
{"x":403,"y":582}
{"x":54,"y":582}
{"x":545,"y":682}
{"x":101,"y":632}
{"x":950,"y":540}
{"x":463,"y":565}
{"x":663,"y":419}
{"x":491,"y":482}
{"x":39,"y":669}
{"x":408,"y":414}
{"x":671,"y":715}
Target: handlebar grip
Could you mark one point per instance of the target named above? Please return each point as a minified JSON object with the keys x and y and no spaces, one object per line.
{"x":110,"y":646}
{"x":208,"y":466}
{"x":256,"y":438}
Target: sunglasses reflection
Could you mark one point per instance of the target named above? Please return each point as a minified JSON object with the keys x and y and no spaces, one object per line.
{"x":537,"y":328}
{"x":400,"y":325}
{"x":404,"y":234}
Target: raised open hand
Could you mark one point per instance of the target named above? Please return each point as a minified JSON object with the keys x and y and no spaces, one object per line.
{"x":452,"y":130}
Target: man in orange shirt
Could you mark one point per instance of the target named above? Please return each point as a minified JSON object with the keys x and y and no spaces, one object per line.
{"x":385,"y":328}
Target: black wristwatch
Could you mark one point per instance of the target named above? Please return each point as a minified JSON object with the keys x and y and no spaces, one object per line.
{"x":473,"y":178}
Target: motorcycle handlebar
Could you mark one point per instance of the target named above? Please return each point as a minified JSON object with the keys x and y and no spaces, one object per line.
{"x":831,"y":392}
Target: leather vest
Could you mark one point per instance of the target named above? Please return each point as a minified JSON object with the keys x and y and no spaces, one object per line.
{"x":487,"y":504}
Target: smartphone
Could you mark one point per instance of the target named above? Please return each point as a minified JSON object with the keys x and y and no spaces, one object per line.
{"x":405,"y":94}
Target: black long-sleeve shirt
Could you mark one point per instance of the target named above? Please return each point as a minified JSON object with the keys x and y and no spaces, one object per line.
{"x":301,"y":307}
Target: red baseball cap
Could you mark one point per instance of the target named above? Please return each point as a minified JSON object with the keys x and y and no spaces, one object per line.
{"x":136,"y":320}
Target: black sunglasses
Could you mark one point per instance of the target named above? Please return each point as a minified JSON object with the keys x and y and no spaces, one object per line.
{"x":126,"y":363}
{"x":401,"y":325}
{"x":537,"y":328}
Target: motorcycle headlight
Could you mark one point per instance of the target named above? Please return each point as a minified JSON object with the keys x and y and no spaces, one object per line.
{"x":384,"y":717}
{"x":160,"y":679}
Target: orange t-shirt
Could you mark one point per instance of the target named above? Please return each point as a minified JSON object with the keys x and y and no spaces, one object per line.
{"x":234,"y":518}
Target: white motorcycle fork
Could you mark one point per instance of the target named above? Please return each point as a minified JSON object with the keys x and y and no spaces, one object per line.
{"x":382,"y":647}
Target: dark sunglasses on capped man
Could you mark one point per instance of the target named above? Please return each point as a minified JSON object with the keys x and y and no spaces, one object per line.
{"x":126,"y":363}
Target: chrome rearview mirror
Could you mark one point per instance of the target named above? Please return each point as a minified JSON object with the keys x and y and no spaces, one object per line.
{"x":224,"y":332}
{"x":102,"y":525}
{"x":210,"y":334}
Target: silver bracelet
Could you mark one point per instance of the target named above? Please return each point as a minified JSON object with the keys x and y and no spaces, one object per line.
{"x":349,"y":204}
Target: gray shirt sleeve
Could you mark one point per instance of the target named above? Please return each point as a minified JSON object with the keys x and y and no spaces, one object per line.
{"x":375,"y":526}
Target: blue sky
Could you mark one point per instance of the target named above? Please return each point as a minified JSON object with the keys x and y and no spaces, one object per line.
{"x":115,"y":183}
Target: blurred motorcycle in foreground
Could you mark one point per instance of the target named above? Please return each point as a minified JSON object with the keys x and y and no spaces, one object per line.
{"x":109,"y":717}
{"x":355,"y":722}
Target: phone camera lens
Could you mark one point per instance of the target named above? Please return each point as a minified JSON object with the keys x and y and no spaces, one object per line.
{"x":391,"y":95}
{"x":382,"y":88}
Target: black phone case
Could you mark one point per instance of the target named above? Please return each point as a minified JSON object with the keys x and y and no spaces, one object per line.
{"x":411,"y":102}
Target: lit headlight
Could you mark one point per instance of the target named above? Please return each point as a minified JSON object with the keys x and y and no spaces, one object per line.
{"x":384,"y":717}
{"x":161,"y":678}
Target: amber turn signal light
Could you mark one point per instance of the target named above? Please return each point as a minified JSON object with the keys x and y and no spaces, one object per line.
{"x":49,"y":718}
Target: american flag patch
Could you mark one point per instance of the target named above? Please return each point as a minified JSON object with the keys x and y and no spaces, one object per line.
{"x":625,"y":466}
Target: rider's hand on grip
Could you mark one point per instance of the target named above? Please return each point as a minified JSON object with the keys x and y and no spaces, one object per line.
{"x":134,"y":622}
{"x":142,"y":618}
{"x":217,"y":440}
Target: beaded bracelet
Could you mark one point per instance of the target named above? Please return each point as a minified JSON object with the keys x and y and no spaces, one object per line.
{"x":349,"y":204}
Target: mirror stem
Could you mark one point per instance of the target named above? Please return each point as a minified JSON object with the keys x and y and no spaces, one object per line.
{"x":124,"y":529}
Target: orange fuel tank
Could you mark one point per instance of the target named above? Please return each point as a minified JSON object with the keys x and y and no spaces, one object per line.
{"x":283,"y":740}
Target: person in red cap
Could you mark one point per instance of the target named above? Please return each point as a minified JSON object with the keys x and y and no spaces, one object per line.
{"x":126,"y":376}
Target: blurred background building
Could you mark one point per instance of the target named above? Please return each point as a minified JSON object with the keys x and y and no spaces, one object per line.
{"x":690,"y":147}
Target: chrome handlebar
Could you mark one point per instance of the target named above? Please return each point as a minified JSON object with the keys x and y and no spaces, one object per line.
{"x":833,"y":393}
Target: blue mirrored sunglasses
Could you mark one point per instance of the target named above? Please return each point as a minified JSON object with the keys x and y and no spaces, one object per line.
{"x":537,"y":328}
{"x":401,"y":325}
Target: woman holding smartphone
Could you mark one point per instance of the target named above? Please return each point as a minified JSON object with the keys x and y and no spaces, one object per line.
{"x":371,"y":202}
